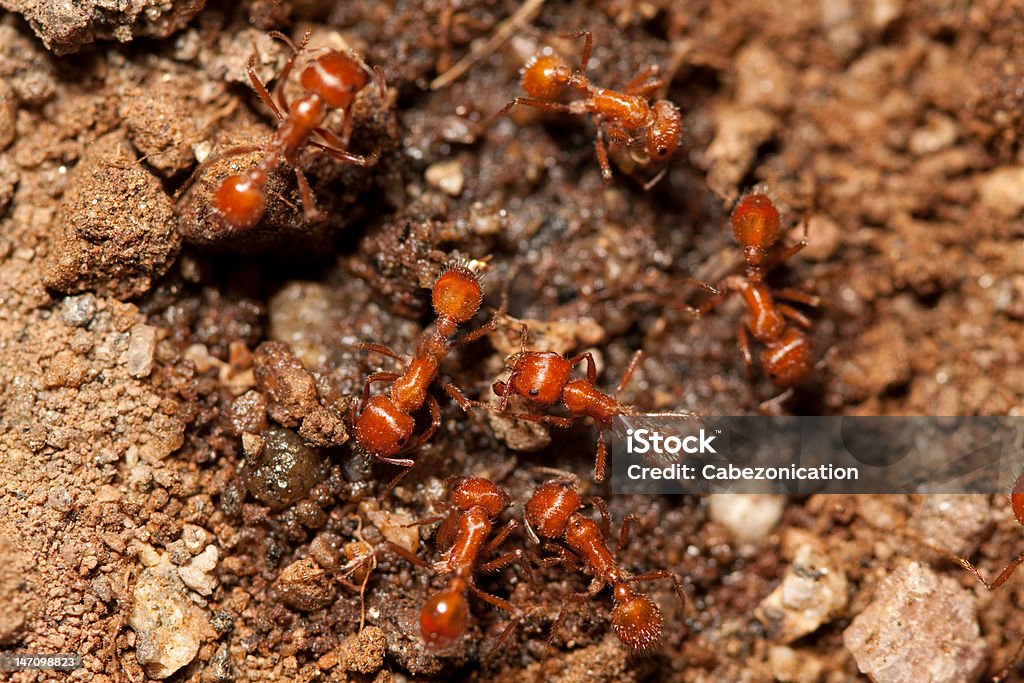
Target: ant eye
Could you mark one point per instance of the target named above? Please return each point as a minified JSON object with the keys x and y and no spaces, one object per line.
{"x":534,"y":392}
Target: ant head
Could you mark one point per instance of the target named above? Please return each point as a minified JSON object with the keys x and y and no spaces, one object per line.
{"x":444,"y":619}
{"x":473,"y":492}
{"x":755,"y":223}
{"x":787,"y":360}
{"x":549,"y":509}
{"x":457,"y":294}
{"x":336,"y":77}
{"x":666,"y":131}
{"x":382,"y":428}
{"x":240,"y":199}
{"x":636,"y":620}
{"x":544,"y":76}
{"x":539,"y":376}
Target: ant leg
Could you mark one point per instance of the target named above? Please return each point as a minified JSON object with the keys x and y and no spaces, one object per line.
{"x":1001,"y":676}
{"x":306,"y":193}
{"x":552,"y":420}
{"x":261,"y":89}
{"x":627,"y":526}
{"x":348,"y":157}
{"x":563,"y":556}
{"x":501,"y":536}
{"x":591,"y":365}
{"x":588,"y":46}
{"x":481,"y":331}
{"x":785,"y":254}
{"x":457,"y":396}
{"x":380,"y":81}
{"x":602,"y":155}
{"x":493,"y":600}
{"x":502,"y":561}
{"x":372,"y":379}
{"x":743,"y":341}
{"x":426,"y":521}
{"x":773,"y":406}
{"x":406,"y":463}
{"x":561,"y":476}
{"x":595,"y":588}
{"x":405,"y":554}
{"x":277,"y":35}
{"x":719,"y":293}
{"x":502,"y":637}
{"x":282,"y":78}
{"x":795,"y":295}
{"x":630,"y":369}
{"x":794,"y":315}
{"x":382,"y":350}
{"x":649,"y":185}
{"x":543,"y":105}
{"x":435,"y":422}
{"x":602,"y":457}
{"x":662,"y":574}
{"x":606,"y":519}
{"x":1000,"y":580}
{"x":639,"y":85}
{"x":619,"y":136}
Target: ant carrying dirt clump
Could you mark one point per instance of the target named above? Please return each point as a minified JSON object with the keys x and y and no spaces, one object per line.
{"x":330,"y":81}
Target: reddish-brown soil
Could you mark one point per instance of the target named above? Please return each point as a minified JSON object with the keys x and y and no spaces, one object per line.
{"x":130,"y":333}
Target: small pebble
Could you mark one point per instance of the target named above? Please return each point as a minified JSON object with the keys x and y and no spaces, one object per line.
{"x":920,"y":626}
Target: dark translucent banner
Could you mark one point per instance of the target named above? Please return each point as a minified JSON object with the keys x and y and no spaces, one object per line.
{"x":805,"y":455}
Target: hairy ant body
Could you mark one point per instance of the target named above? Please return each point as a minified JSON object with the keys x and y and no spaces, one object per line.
{"x":467,"y":534}
{"x":330,"y":81}
{"x":553,"y":513}
{"x":384,"y":423}
{"x":625,"y":117}
{"x":1017,"y":503}
{"x":786,"y":357}
{"x":543,"y":379}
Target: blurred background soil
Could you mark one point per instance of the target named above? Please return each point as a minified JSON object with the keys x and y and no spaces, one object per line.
{"x":131,"y":365}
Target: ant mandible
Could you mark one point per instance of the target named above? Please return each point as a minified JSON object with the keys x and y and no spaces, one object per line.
{"x":553,"y":513}
{"x":542,"y":378}
{"x":330,"y":81}
{"x":466,"y":535}
{"x":1017,"y":503}
{"x":625,"y":117}
{"x":384,"y":423}
{"x":786,"y":357}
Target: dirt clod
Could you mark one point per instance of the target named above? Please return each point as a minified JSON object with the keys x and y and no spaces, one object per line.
{"x":117,"y":228}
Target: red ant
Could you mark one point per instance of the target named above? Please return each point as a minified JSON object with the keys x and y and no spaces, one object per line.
{"x":331,"y":81}
{"x":1017,"y":503}
{"x":617,"y":114}
{"x":553,"y":513}
{"x":384,"y":422}
{"x":466,"y":535}
{"x":542,"y":378}
{"x":786,"y":357}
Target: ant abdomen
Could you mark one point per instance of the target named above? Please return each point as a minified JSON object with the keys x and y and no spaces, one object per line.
{"x":636,"y":620}
{"x":444,"y":618}
{"x":382,"y":428}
